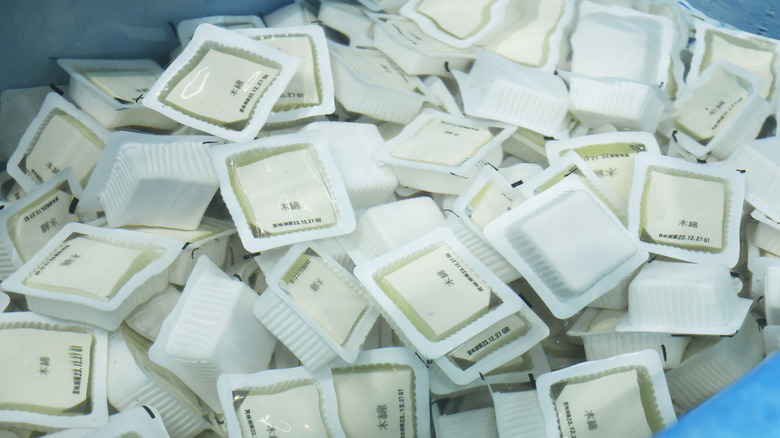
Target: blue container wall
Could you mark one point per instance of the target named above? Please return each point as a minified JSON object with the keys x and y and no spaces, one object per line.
{"x":33,"y":33}
{"x":755,"y":16}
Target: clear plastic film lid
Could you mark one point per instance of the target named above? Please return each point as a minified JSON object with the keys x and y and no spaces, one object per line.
{"x":310,"y":90}
{"x":323,"y":289}
{"x":55,"y":372}
{"x":535,"y":38}
{"x":435,"y":293}
{"x":125,"y":82}
{"x":222,"y":83}
{"x":283,"y":190}
{"x":71,"y":267}
{"x":457,"y":23}
{"x":383,"y":394}
{"x":280,"y":402}
{"x":611,"y":156}
{"x":624,"y":395}
{"x":60,"y":136}
{"x":687,"y":211}
{"x":31,"y":221}
{"x":442,"y":142}
{"x":305,"y":196}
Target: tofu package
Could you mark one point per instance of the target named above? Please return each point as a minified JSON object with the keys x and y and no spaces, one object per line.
{"x":757,"y":54}
{"x":687,"y":211}
{"x":27,"y":224}
{"x":623,"y":396}
{"x":290,"y":399}
{"x":313,"y":304}
{"x":94,"y":275}
{"x":310,"y":91}
{"x":569,"y":246}
{"x":383,"y":394}
{"x":442,"y":153}
{"x":282,"y":190}
{"x":54,"y":373}
{"x":111,"y":90}
{"x":435,"y":294}
{"x":222,"y":83}
{"x":59,"y":136}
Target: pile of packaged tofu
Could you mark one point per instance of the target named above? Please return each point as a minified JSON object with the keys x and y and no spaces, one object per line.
{"x":392,"y":218}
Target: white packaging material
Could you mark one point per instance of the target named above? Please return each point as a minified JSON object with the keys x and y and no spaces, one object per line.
{"x":615,"y":299}
{"x":282,"y":190}
{"x":54,"y":373}
{"x":596,"y":327}
{"x":772,"y":295}
{"x":684,"y":298}
{"x":572,"y":166}
{"x":435,"y":294}
{"x":5,"y":300}
{"x":618,"y":42}
{"x":388,"y":226}
{"x":144,"y":421}
{"x":465,"y":424}
{"x":758,"y":261}
{"x":720,"y":110}
{"x":368,"y":82}
{"x":60,"y":136}
{"x":222,"y":83}
{"x":311,"y":290}
{"x":767,"y":236}
{"x":186,"y":28}
{"x":442,"y":153}
{"x":209,"y":239}
{"x":611,"y":156}
{"x":518,"y":414}
{"x":349,"y":20}
{"x":711,"y":363}
{"x":623,"y":396}
{"x":310,"y":91}
{"x":760,"y":55}
{"x":291,"y":401}
{"x":147,"y":318}
{"x":489,"y":196}
{"x":352,"y":145}
{"x":499,"y":89}
{"x":568,"y":245}
{"x":159,"y":185}
{"x":460,"y":23}
{"x":521,"y":369}
{"x":110,"y":91}
{"x":625,"y":104}
{"x":528,"y":145}
{"x":493,"y":347}
{"x":134,"y":380}
{"x":771,"y":338}
{"x":94,"y":275}
{"x":414,"y":51}
{"x":518,"y":172}
{"x":18,"y":107}
{"x":686,"y":211}
{"x":212,"y":331}
{"x":438,"y":90}
{"x":89,"y":207}
{"x":759,"y":162}
{"x":28,"y":223}
{"x":537,"y":37}
{"x":383,"y":394}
